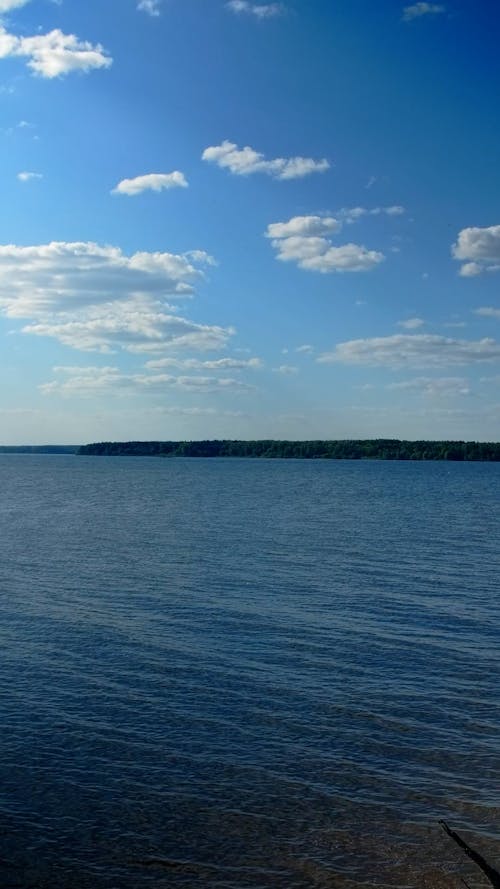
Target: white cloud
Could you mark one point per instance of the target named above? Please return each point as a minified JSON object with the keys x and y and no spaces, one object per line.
{"x":315,"y":253}
{"x":413,"y":350}
{"x":198,"y":412}
{"x":488,"y":312}
{"x":286,"y":369}
{"x":152,"y":7}
{"x":352,"y":214}
{"x":21,"y":125}
{"x":54,"y":54}
{"x":8,"y":5}
{"x":306,"y":349}
{"x":97,"y":298}
{"x":435,"y":387}
{"x":304,"y":226}
{"x":151,"y":182}
{"x":417,"y":10}
{"x":479,"y":249}
{"x":257,"y":10}
{"x":26,"y":176}
{"x":141,"y":326}
{"x":470,"y":270}
{"x":91,"y":381}
{"x":246,"y":161}
{"x":62,"y":276}
{"x":219,"y":364}
{"x":411,"y":323}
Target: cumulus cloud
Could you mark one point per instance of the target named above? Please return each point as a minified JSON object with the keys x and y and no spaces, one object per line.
{"x":306,"y":349}
{"x":470,"y":270}
{"x":26,"y":176}
{"x":313,"y":252}
{"x":317,"y":255}
{"x":54,"y":54}
{"x":352,"y":214}
{"x":246,"y":161}
{"x":478,"y":249}
{"x":91,"y":381}
{"x":257,"y":10}
{"x":152,"y":7}
{"x":413,"y":350}
{"x":151,"y":182}
{"x":62,"y":276}
{"x":219,"y":364}
{"x":304,"y":226}
{"x":435,"y":387}
{"x":417,"y":10}
{"x":97,"y":298}
{"x":411,"y":323}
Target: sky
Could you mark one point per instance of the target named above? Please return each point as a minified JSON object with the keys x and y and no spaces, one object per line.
{"x":236,"y":219}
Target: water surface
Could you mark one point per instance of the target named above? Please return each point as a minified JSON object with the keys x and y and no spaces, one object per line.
{"x":239,"y":673}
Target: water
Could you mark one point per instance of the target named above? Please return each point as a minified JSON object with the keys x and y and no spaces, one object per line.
{"x":254,"y":674}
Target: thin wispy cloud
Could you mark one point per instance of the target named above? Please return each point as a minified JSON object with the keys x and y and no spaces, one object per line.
{"x":152,"y":7}
{"x":411,"y":323}
{"x":434,"y":387}
{"x":54,"y":54}
{"x":259,"y":11}
{"x":246,"y":161}
{"x":197,"y":412}
{"x":413,"y":350}
{"x":91,"y":381}
{"x":488,"y":312}
{"x":26,"y":176}
{"x":352,"y":214}
{"x":219,"y":364}
{"x":313,"y":251}
{"x":418,"y":10}
{"x":9,"y":5}
{"x":151,"y":182}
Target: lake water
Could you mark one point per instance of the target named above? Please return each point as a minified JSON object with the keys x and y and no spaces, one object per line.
{"x":254,"y":674}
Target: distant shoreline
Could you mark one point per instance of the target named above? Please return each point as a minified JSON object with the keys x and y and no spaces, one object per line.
{"x":39,"y":449}
{"x":327,"y":449}
{"x":363,"y":449}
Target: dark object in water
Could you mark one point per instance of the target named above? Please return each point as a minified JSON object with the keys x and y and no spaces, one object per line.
{"x":487,"y":869}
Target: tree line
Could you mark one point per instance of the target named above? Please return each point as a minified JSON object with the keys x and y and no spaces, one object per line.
{"x":369,"y":449}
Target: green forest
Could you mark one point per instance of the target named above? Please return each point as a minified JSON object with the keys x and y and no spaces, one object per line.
{"x":370,"y":449}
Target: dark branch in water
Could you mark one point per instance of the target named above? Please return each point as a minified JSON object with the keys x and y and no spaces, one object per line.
{"x":489,"y":871}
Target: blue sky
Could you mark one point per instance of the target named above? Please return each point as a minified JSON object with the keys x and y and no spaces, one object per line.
{"x":245,"y":220}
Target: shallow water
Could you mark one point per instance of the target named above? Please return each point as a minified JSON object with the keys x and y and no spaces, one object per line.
{"x":238,"y":673}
